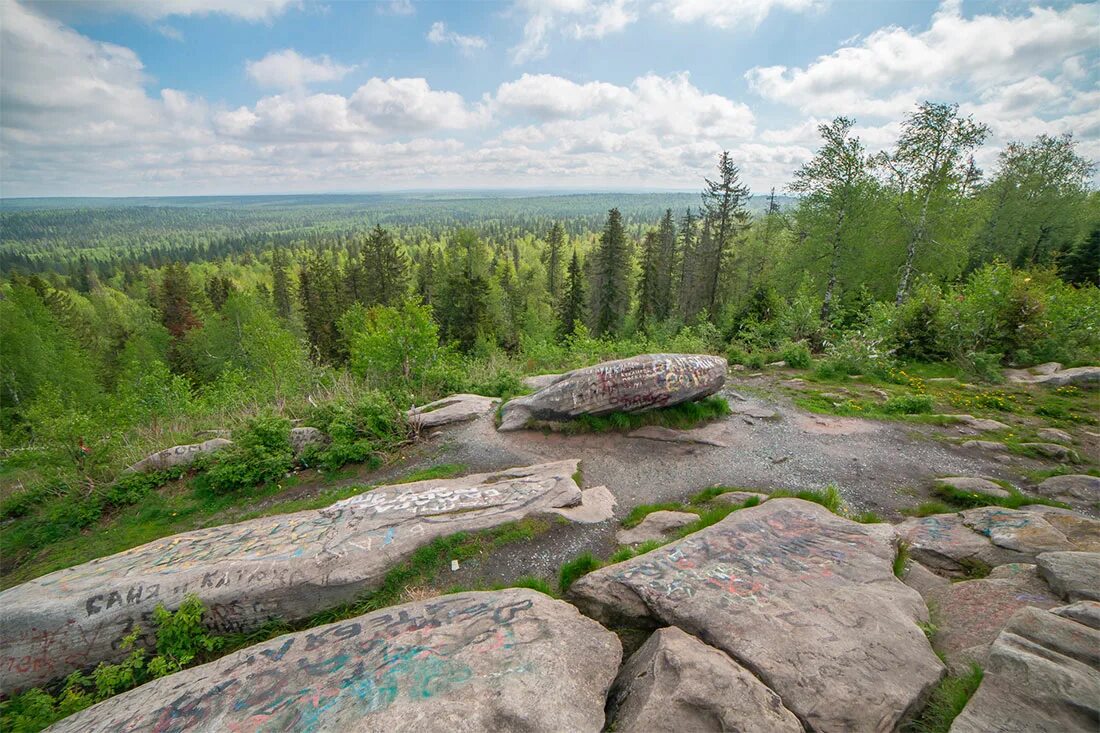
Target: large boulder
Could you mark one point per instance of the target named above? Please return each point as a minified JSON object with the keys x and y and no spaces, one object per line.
{"x":1071,"y":488}
{"x":1042,"y":675}
{"x":456,"y":408}
{"x":805,"y":599}
{"x":302,"y":438}
{"x":627,"y":385}
{"x":676,"y":684}
{"x":289,"y":566}
{"x":1073,"y":575}
{"x":179,"y":455}
{"x":511,"y":660}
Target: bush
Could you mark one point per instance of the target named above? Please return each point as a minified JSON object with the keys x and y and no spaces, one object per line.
{"x":797,"y":356}
{"x":908,"y":404}
{"x":260,"y":453}
{"x":360,"y":432}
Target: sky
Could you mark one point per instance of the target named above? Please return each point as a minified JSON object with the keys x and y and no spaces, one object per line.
{"x":192,"y":97}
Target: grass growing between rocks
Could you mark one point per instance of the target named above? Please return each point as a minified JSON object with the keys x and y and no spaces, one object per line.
{"x":681,"y":416}
{"x":901,"y":560}
{"x":959,"y":499}
{"x":946,"y":702}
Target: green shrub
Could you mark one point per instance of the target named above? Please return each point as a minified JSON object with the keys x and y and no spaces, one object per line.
{"x":576,"y":568}
{"x":260,"y":453}
{"x":735,"y":354}
{"x":756,"y":360}
{"x":908,"y":404}
{"x":359,"y":432}
{"x":797,"y":356}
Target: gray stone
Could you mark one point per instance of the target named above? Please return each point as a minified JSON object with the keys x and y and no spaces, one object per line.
{"x":677,"y":684}
{"x":597,"y":505}
{"x":1042,"y":675}
{"x":978,"y":423}
{"x":760,"y":412}
{"x":945,"y":544}
{"x":1045,"y":374}
{"x":805,"y":599}
{"x":507,"y":660}
{"x":712,"y":434}
{"x":180,"y":455}
{"x":456,"y":408}
{"x":1052,"y":450}
{"x":923,"y":580}
{"x":739,"y":497}
{"x":289,"y":566}
{"x":1054,"y":435}
{"x":1073,"y":575}
{"x":655,"y":526}
{"x":970,"y":614}
{"x":974,"y":485}
{"x":302,"y":438}
{"x":627,"y":385}
{"x":1071,"y":488}
{"x":987,"y":445}
{"x":1025,"y":532}
{"x":539,"y":381}
{"x":1083,"y":612}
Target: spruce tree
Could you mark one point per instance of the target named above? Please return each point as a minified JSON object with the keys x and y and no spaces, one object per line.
{"x":280,"y":285}
{"x":552,"y":257}
{"x":724,"y":203}
{"x":427,"y":275}
{"x":648,"y":287}
{"x":575,"y":301}
{"x":687,"y":263}
{"x":386,"y":269}
{"x":612,"y":300}
{"x":666,"y":261}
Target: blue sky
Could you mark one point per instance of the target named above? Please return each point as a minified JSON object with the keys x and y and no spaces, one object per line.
{"x":124,"y":97}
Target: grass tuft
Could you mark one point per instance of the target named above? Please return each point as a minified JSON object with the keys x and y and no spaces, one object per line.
{"x":970,"y":499}
{"x":928,"y":508}
{"x":577,"y":568}
{"x":901,"y":560}
{"x":829,"y":498}
{"x":439,"y":471}
{"x":946,"y":702}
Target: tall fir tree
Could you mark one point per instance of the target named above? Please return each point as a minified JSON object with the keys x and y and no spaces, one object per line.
{"x":575,"y":301}
{"x":427,"y":276}
{"x":687,"y":263}
{"x":280,"y":283}
{"x":724,"y":202}
{"x":612,"y":297}
{"x":320,"y":294}
{"x":648,"y":283}
{"x":667,"y":255}
{"x":386,"y":267}
{"x":552,"y":258}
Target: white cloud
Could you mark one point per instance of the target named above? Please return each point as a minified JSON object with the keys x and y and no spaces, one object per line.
{"x":250,"y":10}
{"x":578,"y":19}
{"x":397,"y":7}
{"x":411,"y":104}
{"x":466,"y":44}
{"x":731,"y":13}
{"x":547,"y":96}
{"x":287,"y":69}
{"x":895,"y":64}
{"x":169,"y":32}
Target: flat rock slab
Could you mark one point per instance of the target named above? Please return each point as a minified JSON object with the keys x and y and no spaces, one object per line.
{"x":1054,"y":451}
{"x":974,"y":485}
{"x":970,"y":614}
{"x":739,"y":497}
{"x":986,"y":445}
{"x":456,"y":408}
{"x":655,"y":526}
{"x":1054,"y":435}
{"x":805,"y":599}
{"x":1055,"y":377}
{"x":289,"y":566}
{"x":505,"y":660}
{"x":1042,"y":675}
{"x":1071,"y":488}
{"x":627,"y":385}
{"x":923,"y":580}
{"x":978,"y":423}
{"x":677,"y":684}
{"x":756,"y":411}
{"x":712,"y":434}
{"x":1073,"y":575}
{"x":1028,"y":533}
{"x":1083,"y":612}
{"x":945,"y":544}
{"x":597,"y":505}
{"x":179,"y":455}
